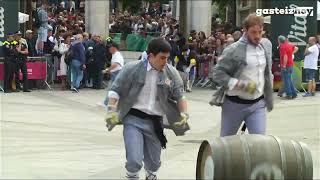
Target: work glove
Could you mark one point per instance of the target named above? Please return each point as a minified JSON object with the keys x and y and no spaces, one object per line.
{"x":112,"y":117}
{"x":184,"y":117}
{"x":247,"y":86}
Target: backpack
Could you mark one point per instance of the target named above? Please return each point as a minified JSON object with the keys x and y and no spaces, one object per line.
{"x":37,"y":21}
{"x":69,"y":56}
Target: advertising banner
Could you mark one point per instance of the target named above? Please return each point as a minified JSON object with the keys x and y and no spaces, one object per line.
{"x":294,"y":19}
{"x":8,"y":19}
{"x":36,"y":71}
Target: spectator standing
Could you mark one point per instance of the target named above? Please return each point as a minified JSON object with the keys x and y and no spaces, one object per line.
{"x":181,"y":64}
{"x":311,"y":65}
{"x":48,"y":50}
{"x":191,"y":70}
{"x":219,"y":47}
{"x":117,"y":62}
{"x":43,"y":29}
{"x":99,"y":61}
{"x":21,"y":62}
{"x":10,"y":59}
{"x":31,"y":41}
{"x":77,"y":63}
{"x":63,"y":67}
{"x":88,"y":44}
{"x":286,"y":62}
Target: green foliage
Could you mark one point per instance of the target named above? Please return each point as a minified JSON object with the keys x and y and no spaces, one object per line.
{"x":222,"y":4}
{"x":135,"y":5}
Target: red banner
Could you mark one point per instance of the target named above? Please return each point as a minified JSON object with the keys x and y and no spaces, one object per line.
{"x":36,"y":71}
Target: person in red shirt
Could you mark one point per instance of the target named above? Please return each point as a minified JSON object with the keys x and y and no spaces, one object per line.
{"x":286,"y":63}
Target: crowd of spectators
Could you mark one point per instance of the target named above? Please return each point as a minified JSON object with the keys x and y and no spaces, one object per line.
{"x":195,"y":56}
{"x":66,"y":21}
{"x":151,"y":19}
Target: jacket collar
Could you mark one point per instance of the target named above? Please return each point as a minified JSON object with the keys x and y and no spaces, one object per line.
{"x":146,"y":66}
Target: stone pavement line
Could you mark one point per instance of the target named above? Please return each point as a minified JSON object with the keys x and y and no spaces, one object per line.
{"x":62,"y":135}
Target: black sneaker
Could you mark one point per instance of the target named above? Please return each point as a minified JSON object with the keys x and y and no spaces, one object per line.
{"x":75,"y":90}
{"x":289,"y":97}
{"x":26,"y":90}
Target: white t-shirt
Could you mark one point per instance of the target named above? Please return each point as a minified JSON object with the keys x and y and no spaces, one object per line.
{"x":311,"y":60}
{"x":117,"y":58}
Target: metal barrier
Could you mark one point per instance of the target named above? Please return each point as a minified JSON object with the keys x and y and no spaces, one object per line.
{"x":206,"y":64}
{"x":37,"y":68}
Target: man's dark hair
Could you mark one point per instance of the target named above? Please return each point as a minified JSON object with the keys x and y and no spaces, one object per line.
{"x":158,"y":45}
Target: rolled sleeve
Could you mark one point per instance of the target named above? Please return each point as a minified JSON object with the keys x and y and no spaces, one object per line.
{"x":113,"y":94}
{"x":232,"y":83}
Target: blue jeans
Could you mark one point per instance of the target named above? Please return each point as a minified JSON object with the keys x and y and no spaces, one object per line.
{"x":233,"y":114}
{"x":141,"y":144}
{"x":288,"y":83}
{"x":112,"y":78}
{"x":76,"y":73}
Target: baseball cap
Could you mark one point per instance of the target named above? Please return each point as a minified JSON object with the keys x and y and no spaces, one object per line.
{"x":18,"y":33}
{"x":29,"y":31}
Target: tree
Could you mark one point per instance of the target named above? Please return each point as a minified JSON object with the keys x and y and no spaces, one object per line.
{"x":135,"y":5}
{"x":222,"y":4}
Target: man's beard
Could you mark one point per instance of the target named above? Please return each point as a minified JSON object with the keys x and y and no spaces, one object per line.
{"x":254,"y":42}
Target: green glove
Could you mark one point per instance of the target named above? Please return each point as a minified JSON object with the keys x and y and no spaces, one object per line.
{"x":247,"y":86}
{"x":184,"y":117}
{"x":112,"y":118}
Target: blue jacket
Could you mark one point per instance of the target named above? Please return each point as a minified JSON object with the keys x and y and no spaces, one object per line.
{"x":78,"y":52}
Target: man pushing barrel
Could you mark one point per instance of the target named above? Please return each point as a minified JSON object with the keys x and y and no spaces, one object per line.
{"x":244,"y":75}
{"x":145,"y":93}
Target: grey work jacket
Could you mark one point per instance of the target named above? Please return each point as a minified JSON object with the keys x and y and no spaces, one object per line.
{"x":231,"y":64}
{"x":129,"y":82}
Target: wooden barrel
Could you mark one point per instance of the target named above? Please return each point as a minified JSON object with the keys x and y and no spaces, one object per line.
{"x":254,"y":157}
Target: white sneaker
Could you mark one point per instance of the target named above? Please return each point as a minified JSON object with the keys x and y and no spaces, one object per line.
{"x":132,"y":176}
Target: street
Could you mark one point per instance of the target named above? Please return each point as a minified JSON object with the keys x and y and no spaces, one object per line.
{"x":62,"y":135}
